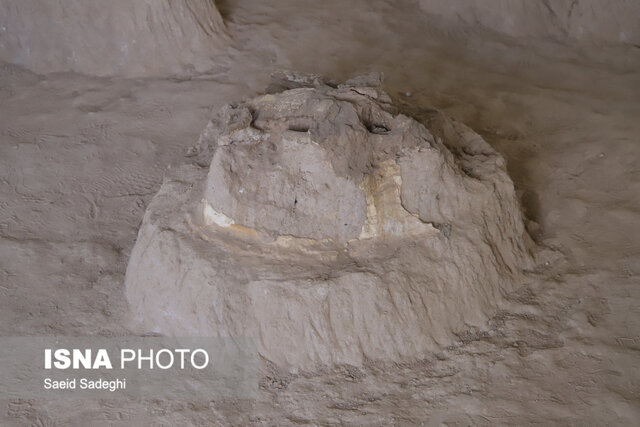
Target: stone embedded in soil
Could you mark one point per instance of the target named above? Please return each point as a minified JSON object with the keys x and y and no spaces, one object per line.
{"x":332,"y":229}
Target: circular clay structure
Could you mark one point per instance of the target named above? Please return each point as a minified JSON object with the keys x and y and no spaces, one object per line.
{"x":330,"y":227}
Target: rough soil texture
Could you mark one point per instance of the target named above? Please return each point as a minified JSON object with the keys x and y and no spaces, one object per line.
{"x":81,"y":158}
{"x":595,"y":21}
{"x":121,"y":37}
{"x":331,"y":229}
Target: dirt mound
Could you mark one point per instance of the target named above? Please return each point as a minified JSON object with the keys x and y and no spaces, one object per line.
{"x":331,"y":228}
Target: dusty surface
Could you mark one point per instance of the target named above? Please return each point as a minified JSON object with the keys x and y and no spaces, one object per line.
{"x":595,"y":21}
{"x":120,"y":37}
{"x":81,"y":158}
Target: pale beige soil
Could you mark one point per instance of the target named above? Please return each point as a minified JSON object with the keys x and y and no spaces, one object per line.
{"x":81,"y":157}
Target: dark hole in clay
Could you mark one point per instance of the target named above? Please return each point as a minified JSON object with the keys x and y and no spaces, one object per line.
{"x":298,"y":128}
{"x":379,"y":129}
{"x":300,"y":124}
{"x":376,"y":128}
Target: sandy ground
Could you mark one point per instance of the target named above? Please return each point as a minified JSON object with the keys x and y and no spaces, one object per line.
{"x":81,"y":157}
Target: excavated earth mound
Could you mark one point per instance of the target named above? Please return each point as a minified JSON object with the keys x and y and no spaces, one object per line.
{"x":332,"y":229}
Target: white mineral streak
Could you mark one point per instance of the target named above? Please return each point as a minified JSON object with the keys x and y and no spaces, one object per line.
{"x":211,"y":216}
{"x":385,"y":214}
